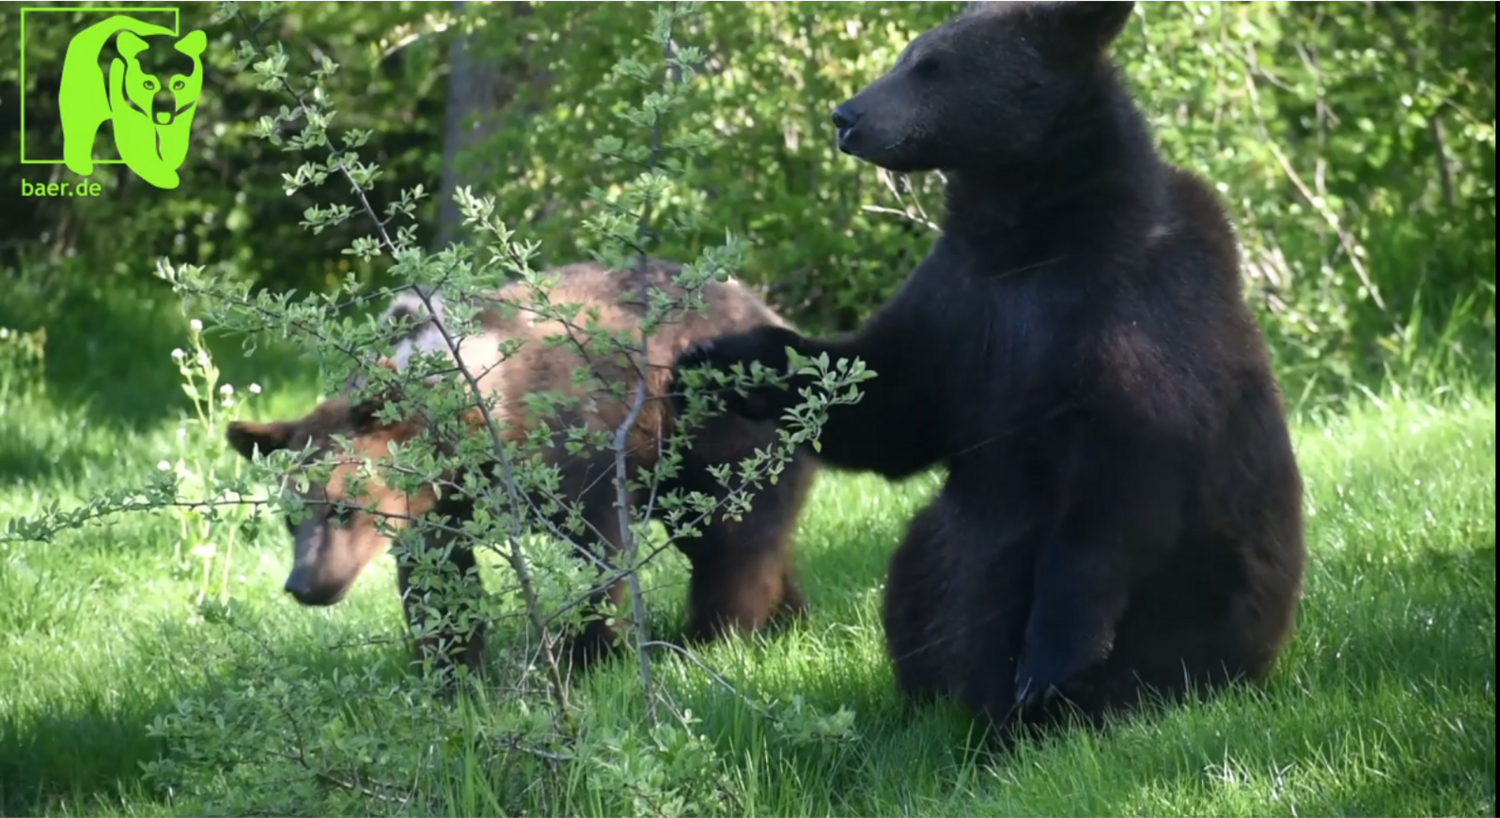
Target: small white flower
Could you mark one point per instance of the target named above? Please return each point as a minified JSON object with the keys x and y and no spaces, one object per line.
{"x":196,"y":325}
{"x":226,"y":389}
{"x":255,"y":389}
{"x":178,"y":354}
{"x":164,"y":466}
{"x":181,"y":432}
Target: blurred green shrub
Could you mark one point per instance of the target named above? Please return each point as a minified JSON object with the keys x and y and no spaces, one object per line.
{"x":1354,"y":142}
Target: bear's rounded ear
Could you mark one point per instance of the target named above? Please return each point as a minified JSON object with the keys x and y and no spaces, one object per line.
{"x":246,"y":438}
{"x":130,"y":45}
{"x":1093,"y":26}
{"x":193,"y":44}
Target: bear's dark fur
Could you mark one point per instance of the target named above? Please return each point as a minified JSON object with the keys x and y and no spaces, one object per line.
{"x":1122,"y":508}
{"x":742,"y":574}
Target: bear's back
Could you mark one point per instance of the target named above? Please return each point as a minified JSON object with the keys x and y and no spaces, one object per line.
{"x":609,"y":301}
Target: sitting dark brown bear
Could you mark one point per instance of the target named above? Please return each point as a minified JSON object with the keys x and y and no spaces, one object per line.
{"x":1122,"y":508}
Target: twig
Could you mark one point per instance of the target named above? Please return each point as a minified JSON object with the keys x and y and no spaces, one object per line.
{"x":622,"y":434}
{"x":44,"y":533}
{"x":512,"y":555}
{"x":1346,"y":239}
{"x":891,"y":211}
{"x":713,"y":674}
{"x":299,"y":754}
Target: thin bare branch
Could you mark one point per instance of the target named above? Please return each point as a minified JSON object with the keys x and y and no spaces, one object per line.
{"x":1350,"y":244}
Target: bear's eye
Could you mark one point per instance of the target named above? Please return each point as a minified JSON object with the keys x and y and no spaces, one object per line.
{"x":150,"y":85}
{"x":178,"y":85}
{"x":926,"y":65}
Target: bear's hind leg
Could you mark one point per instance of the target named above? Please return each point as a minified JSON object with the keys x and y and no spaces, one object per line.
{"x":1178,"y":643}
{"x":736,"y":592}
{"x":742,"y":574}
{"x":914,"y":590}
{"x":598,"y":637}
{"x":956,"y":600}
{"x":793,"y":602}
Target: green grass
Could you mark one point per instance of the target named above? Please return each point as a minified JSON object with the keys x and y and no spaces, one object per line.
{"x":1384,"y":705}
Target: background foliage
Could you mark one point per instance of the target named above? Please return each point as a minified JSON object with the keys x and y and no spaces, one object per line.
{"x":1355,"y":143}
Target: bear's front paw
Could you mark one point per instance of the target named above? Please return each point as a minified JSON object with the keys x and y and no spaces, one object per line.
{"x":765,"y":345}
{"x":1036,"y":692}
{"x":1057,"y":663}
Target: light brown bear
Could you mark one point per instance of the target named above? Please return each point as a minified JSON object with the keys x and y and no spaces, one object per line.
{"x":741,"y":570}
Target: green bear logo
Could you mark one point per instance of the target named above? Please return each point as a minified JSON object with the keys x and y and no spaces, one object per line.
{"x":152,"y":116}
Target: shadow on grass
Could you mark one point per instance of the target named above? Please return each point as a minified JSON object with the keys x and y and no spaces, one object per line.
{"x":24,"y":460}
{"x":109,"y":374}
{"x":109,"y":353}
{"x":86,"y":752}
{"x":91,"y":752}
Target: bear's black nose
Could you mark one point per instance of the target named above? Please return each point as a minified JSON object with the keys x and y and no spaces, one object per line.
{"x":298,"y":585}
{"x":302,"y":588}
{"x":844,"y":118}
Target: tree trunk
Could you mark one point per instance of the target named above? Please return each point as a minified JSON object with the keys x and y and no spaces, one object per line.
{"x":480,"y":85}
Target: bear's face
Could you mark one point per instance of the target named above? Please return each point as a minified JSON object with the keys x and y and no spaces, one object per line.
{"x":165,"y":91}
{"x":982,"y":91}
{"x":349,"y":521}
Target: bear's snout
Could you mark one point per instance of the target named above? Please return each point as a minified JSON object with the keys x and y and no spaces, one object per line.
{"x":845,"y":118}
{"x":307,"y":590}
{"x":163,"y":107}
